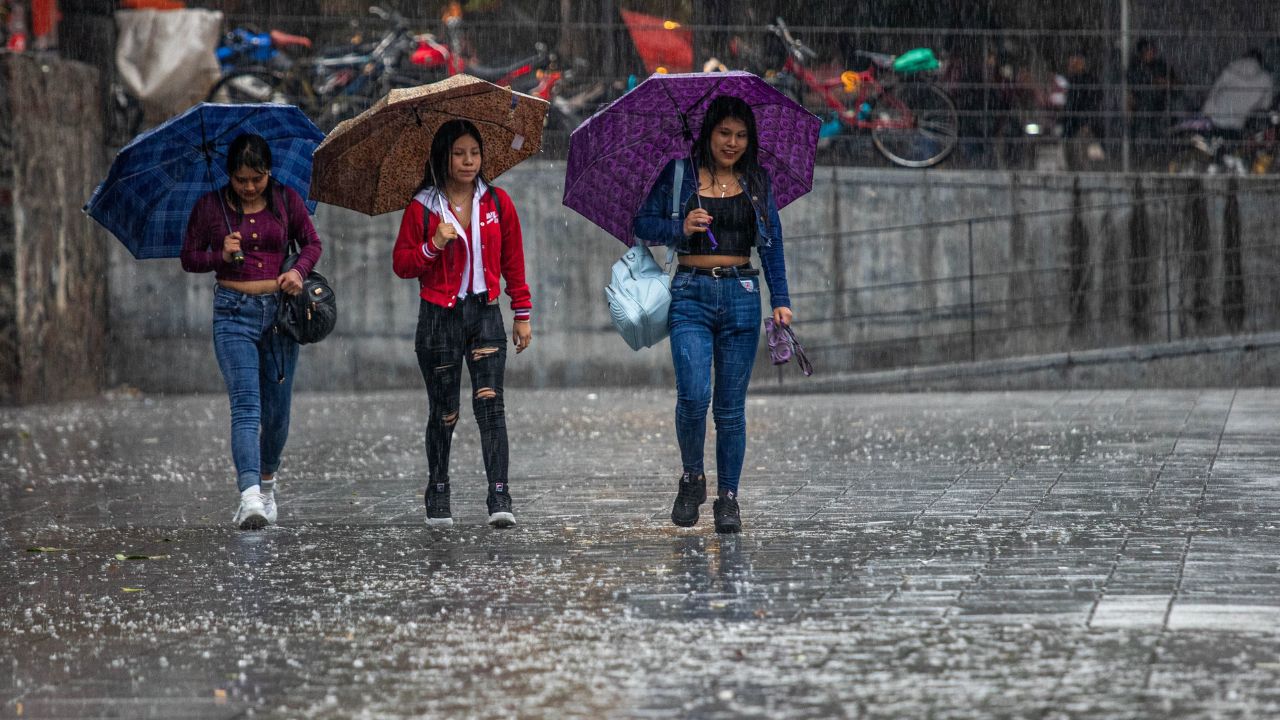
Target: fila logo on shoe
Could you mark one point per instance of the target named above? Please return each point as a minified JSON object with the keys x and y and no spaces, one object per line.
{"x":499,"y":487}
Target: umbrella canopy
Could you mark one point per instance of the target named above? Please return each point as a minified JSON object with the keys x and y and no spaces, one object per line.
{"x":157,"y":178}
{"x":617,"y":154}
{"x":373,"y":163}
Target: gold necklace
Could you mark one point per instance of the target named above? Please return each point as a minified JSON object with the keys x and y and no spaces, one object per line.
{"x":724,"y":187}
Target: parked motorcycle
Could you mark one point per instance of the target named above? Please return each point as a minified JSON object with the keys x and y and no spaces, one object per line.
{"x":535,"y":74}
{"x":335,"y":85}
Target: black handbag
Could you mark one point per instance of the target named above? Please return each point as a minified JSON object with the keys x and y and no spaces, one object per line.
{"x":309,"y":316}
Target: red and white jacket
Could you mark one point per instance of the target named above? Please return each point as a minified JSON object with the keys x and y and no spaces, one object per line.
{"x":440,"y":273}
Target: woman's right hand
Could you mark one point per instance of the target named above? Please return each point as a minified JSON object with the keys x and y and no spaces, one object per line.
{"x":697,"y":221}
{"x":445,"y":234}
{"x":230,"y":246}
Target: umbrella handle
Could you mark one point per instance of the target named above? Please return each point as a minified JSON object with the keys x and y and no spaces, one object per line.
{"x":237,"y":257}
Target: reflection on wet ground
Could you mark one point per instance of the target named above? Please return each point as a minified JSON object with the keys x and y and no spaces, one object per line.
{"x":1030,"y":555}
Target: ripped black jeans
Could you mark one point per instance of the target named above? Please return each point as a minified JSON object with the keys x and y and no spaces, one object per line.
{"x":471,"y":331}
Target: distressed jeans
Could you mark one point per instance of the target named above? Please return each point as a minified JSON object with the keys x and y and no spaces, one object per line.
{"x":715,"y":326}
{"x":472,"y":332}
{"x":257,"y":364}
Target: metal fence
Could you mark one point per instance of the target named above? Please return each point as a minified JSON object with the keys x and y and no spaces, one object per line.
{"x":1073,"y":99}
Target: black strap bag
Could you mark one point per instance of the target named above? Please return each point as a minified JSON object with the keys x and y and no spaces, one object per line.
{"x":309,"y":316}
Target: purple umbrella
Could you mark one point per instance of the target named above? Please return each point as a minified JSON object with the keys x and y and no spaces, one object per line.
{"x":617,"y":154}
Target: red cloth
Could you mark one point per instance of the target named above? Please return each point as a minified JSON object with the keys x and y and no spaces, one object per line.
{"x":44,"y":18}
{"x":439,"y":274}
{"x":658,"y":46}
{"x":263,"y":255}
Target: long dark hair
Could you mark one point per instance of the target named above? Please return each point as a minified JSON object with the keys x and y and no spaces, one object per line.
{"x":748,"y":165}
{"x":251,"y":151}
{"x":436,"y":172}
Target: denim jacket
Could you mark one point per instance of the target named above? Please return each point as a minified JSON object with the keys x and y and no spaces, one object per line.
{"x":653,"y":224}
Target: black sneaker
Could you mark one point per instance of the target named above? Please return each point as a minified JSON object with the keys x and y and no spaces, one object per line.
{"x":500,"y":515}
{"x":437,"y":499}
{"x":725,"y":509}
{"x":692,"y":493}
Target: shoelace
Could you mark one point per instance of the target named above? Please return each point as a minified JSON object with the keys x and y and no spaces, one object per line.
{"x":783,"y":344}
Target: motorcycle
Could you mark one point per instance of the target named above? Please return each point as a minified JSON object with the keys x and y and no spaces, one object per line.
{"x":535,"y":74}
{"x":337,"y":84}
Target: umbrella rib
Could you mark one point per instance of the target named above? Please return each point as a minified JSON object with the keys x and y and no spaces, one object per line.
{"x":186,"y":157}
{"x":231,"y":127}
{"x":172,"y":161}
{"x":684,"y":120}
{"x":603,"y":157}
{"x":788,"y":169}
{"x":705,"y":95}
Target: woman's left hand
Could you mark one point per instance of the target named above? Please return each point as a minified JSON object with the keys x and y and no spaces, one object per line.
{"x":782,"y":316}
{"x":290,"y":282}
{"x":521,"y":334}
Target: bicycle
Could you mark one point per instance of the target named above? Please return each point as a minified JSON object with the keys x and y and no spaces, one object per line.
{"x":913,"y":122}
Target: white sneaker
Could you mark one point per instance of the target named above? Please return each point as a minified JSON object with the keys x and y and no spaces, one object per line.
{"x":251,"y":515}
{"x":269,"y":506}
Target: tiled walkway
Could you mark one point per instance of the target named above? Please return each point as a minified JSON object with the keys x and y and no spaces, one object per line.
{"x":1034,"y":555}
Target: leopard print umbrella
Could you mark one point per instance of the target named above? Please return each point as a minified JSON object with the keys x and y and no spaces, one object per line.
{"x":373,"y":163}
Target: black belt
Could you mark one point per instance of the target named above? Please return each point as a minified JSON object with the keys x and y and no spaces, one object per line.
{"x":743,"y":270}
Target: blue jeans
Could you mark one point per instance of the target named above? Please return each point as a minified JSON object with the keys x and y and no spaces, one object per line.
{"x":715,"y":324}
{"x":257,"y":364}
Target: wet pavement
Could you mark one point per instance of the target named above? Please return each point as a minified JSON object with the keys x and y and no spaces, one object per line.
{"x":1029,"y":555}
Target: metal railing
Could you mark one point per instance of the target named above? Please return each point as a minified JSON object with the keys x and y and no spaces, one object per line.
{"x":1149,"y":270}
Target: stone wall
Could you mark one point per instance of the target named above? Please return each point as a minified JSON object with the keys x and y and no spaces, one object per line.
{"x":53,"y":261}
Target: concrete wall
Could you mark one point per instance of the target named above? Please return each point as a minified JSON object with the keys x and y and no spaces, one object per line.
{"x":1198,"y":259}
{"x":52,"y":265}
{"x":1028,"y":300}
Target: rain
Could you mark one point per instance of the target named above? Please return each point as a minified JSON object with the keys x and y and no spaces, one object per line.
{"x":1030,"y":260}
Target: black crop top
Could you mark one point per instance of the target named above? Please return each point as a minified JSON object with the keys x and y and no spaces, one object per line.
{"x":733,"y":224}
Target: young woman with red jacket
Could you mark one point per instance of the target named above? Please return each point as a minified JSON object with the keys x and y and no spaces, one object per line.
{"x":459,"y":237}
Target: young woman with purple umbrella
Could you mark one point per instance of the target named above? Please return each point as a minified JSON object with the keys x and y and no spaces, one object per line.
{"x":728,"y":208}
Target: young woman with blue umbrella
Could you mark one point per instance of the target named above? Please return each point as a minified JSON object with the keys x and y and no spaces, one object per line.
{"x":222,"y":187}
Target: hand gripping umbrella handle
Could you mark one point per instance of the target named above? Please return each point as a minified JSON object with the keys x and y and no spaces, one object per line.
{"x":237,"y":257}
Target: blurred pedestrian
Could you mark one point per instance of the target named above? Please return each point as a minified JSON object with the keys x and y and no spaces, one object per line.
{"x":1244,"y":88}
{"x":715,"y":295}
{"x":1082,"y":121}
{"x":459,"y":236}
{"x":241,"y":233}
{"x":1151,"y":83}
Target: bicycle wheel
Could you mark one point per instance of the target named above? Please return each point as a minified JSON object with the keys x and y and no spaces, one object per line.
{"x":249,"y":86}
{"x":914,"y":124}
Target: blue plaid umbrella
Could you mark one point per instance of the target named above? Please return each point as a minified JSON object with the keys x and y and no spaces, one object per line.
{"x":158,"y":177}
